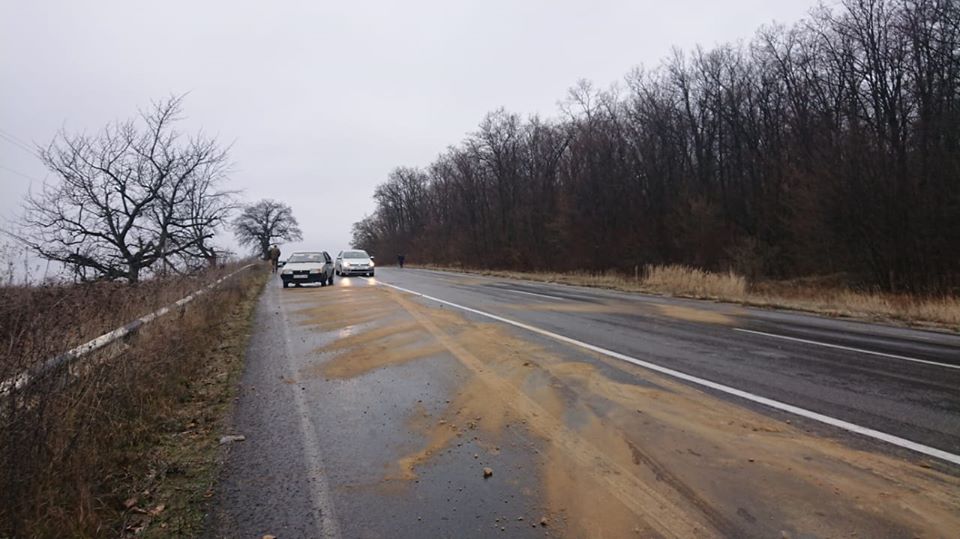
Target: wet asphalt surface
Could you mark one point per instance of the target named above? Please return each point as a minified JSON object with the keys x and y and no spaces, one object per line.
{"x":916,"y":401}
{"x":316,"y":451}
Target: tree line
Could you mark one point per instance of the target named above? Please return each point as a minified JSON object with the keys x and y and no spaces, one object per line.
{"x":827,"y":147}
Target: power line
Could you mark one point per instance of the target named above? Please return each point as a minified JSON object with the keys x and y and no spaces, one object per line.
{"x":17,"y":144}
{"x":12,"y":139}
{"x":18,"y":173}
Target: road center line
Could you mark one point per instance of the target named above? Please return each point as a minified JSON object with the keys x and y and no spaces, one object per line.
{"x":848,"y":348}
{"x":534,"y":294}
{"x":782,"y":406}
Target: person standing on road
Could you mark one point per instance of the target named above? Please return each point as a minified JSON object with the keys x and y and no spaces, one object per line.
{"x":400,"y":259}
{"x":274,"y":253}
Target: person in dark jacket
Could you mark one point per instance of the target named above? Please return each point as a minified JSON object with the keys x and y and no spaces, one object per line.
{"x":274,"y":253}
{"x":400,"y":259}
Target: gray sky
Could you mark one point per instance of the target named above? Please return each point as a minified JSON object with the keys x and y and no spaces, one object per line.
{"x":322,"y":99}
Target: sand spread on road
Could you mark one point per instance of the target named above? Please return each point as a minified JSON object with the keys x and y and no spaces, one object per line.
{"x":717,"y":314}
{"x":643,"y":457}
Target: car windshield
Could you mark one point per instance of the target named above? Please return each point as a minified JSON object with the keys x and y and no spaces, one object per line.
{"x":355,"y":254}
{"x":306,"y":257}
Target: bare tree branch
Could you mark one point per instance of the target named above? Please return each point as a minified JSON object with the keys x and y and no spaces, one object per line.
{"x":129,"y":197}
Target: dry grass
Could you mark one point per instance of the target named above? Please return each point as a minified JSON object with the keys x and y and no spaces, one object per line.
{"x":809,"y":295}
{"x":182,"y":466}
{"x":693,"y":282}
{"x":76,"y":444}
{"x":904,"y":308}
{"x":39,"y":322}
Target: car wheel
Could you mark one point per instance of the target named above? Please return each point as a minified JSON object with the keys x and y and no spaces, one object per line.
{"x":323,"y":282}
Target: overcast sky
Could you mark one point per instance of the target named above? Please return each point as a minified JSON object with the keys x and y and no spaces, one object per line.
{"x":322,"y":99}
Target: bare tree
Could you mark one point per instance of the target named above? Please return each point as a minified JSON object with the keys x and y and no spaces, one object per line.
{"x":264,"y":223}
{"x":134,"y":195}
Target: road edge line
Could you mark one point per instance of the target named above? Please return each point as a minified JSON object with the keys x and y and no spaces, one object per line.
{"x":770,"y":403}
{"x":848,"y":348}
{"x":317,"y":485}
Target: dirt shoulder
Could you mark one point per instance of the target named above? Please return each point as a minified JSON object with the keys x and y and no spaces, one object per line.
{"x":172,"y":498}
{"x":941,"y":313}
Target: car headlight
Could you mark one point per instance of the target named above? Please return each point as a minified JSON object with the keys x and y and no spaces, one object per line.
{"x":346,"y":264}
{"x":286,"y":272}
{"x":371,"y":263}
{"x":315,"y":271}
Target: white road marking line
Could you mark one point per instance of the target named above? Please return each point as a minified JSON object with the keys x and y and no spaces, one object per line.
{"x":782,"y":406}
{"x":848,"y":348}
{"x":319,"y":490}
{"x":534,"y":294}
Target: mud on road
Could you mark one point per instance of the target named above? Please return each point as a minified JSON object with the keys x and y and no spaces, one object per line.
{"x":412,"y":401}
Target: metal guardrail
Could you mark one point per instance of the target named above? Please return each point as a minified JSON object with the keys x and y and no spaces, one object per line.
{"x":26,"y":377}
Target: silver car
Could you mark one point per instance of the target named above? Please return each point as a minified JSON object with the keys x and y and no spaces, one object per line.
{"x":307,"y":267}
{"x":354,"y":262}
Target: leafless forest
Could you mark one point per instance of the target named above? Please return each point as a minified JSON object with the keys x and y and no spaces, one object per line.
{"x":827,"y":148}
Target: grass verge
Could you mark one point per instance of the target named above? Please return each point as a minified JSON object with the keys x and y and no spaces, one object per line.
{"x":806,"y":296}
{"x":185,"y":462}
{"x":124,"y":441}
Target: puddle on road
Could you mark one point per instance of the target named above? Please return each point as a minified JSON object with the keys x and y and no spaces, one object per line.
{"x":618,"y":459}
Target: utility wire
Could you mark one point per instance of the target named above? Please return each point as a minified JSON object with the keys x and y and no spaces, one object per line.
{"x":11,"y":135}
{"x":18,"y":173}
{"x":19,"y":143}
{"x":12,"y":139}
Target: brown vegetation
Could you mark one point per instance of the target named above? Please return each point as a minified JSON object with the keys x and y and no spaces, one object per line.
{"x":828,"y":147}
{"x":85,"y":450}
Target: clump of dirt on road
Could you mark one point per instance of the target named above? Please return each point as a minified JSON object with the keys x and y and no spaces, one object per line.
{"x":654,"y":457}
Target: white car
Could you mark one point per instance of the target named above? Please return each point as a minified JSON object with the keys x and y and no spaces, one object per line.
{"x":311,"y":267}
{"x":354,"y":262}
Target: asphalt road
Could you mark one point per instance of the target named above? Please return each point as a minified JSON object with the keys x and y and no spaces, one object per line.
{"x":793,"y":358}
{"x":367,"y":413}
